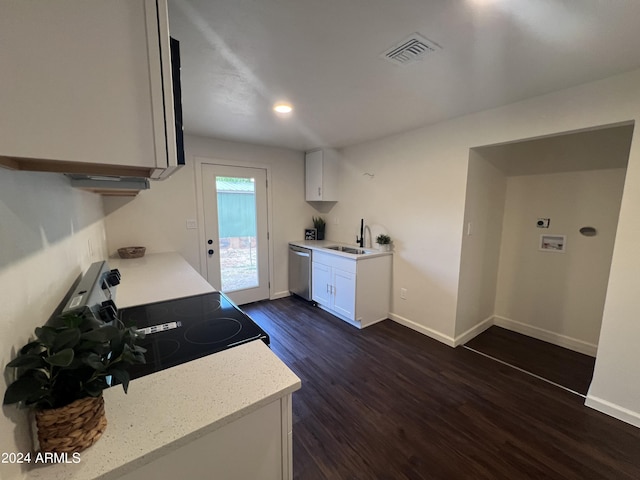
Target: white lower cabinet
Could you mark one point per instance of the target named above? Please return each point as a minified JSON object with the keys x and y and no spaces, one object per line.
{"x":263,"y":437}
{"x":335,"y":289}
{"x":355,"y":290}
{"x":344,"y":293}
{"x":321,"y":284}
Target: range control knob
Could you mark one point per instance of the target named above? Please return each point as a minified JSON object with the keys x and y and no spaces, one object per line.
{"x":108,"y":311}
{"x":113,"y":277}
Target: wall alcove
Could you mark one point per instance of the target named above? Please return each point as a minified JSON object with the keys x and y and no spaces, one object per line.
{"x":573,"y":179}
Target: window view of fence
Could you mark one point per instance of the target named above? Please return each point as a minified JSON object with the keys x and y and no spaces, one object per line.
{"x":237,"y":232}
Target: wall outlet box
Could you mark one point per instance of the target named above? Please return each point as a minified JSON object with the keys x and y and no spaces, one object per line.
{"x":543,"y":222}
{"x":191,"y":224}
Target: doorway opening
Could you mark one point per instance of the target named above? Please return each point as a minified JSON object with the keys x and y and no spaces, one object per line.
{"x":236,"y":231}
{"x":566,"y":188}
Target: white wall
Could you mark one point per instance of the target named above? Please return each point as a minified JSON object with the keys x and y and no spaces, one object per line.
{"x":481,"y":243}
{"x":49,"y":234}
{"x":558,"y":297}
{"x":615,"y":388}
{"x":157,"y":218}
{"x":418,"y":194}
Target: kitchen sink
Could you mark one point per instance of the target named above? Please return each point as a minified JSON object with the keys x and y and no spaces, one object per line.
{"x":352,"y":250}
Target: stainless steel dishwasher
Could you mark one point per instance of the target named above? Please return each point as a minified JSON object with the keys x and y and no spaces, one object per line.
{"x":300,"y":271}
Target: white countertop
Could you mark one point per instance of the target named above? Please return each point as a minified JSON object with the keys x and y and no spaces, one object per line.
{"x":156,"y":277}
{"x":173,"y":407}
{"x":321,"y":245}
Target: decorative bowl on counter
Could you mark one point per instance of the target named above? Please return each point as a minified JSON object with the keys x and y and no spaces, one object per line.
{"x":131,"y":252}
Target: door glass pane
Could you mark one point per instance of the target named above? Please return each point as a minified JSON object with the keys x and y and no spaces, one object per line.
{"x":237,"y":232}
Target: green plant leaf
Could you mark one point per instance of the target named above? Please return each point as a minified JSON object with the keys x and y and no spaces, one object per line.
{"x":128,"y":355}
{"x":47,"y":335}
{"x":24,"y":389}
{"x":27,"y":361}
{"x":96,"y":387}
{"x":139,"y":349}
{"x":72,"y":320}
{"x":94,"y":361}
{"x":122,"y":376}
{"x":66,"y":338}
{"x":61,"y":359}
{"x":84,"y":346}
{"x":117,"y":346}
{"x":73,"y":357}
{"x":35,"y":345}
{"x":102,"y":334}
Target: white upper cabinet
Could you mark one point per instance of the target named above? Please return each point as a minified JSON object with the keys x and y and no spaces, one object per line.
{"x":321,"y":173}
{"x":87,"y":87}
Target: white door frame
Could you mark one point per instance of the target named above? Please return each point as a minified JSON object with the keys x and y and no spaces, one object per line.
{"x":202,"y":241}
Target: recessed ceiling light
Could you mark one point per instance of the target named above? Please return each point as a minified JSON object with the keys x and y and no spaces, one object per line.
{"x":283,"y":108}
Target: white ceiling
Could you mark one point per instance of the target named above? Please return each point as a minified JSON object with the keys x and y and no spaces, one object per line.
{"x":241,"y":56}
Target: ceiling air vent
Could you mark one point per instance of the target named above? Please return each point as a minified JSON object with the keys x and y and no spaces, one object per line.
{"x":410,"y":49}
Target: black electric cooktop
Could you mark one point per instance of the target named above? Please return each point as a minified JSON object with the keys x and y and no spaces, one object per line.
{"x":184,"y":329}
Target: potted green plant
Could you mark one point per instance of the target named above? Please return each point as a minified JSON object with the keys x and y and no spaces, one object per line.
{"x":319,"y":224}
{"x":384,"y":242}
{"x":62,"y":373}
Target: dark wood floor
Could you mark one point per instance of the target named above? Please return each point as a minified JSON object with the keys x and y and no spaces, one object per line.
{"x":389,"y":403}
{"x":570,"y":369}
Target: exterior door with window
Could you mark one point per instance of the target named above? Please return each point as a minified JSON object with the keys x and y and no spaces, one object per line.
{"x":236,"y":236}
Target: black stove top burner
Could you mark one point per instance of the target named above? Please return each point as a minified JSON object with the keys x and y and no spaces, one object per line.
{"x":213,"y":331}
{"x":205,"y":306}
{"x":184,"y":329}
{"x":166,"y":347}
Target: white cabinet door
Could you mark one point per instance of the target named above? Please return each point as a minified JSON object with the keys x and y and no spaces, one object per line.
{"x":82,"y":82}
{"x":321,"y":284}
{"x":313,"y":176}
{"x":321,"y":176}
{"x":344,"y":293}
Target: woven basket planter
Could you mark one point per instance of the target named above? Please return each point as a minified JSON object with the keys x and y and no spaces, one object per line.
{"x":72,"y":428}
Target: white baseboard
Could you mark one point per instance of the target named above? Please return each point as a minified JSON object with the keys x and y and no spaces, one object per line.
{"x":473,"y":331}
{"x":422,"y":329}
{"x":613,"y":410}
{"x":277,"y":295}
{"x":547,"y":336}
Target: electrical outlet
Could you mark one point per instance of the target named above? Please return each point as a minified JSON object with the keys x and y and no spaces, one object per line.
{"x":191,"y":224}
{"x":543,"y":222}
{"x":403,"y":293}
